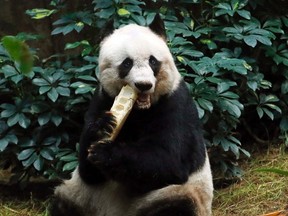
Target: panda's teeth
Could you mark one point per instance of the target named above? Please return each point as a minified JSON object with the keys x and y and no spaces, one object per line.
{"x":143,"y":101}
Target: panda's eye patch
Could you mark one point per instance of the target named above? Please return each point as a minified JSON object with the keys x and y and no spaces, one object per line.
{"x":153,"y":60}
{"x":154,"y":64}
{"x":127,"y":63}
{"x":125,"y":67}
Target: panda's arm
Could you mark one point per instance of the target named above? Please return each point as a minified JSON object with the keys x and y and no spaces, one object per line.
{"x":165,"y":154}
{"x":95,"y":119}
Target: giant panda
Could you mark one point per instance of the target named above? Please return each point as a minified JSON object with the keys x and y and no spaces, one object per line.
{"x":158,"y":164}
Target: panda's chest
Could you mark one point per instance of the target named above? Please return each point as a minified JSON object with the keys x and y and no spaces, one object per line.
{"x":137,"y":127}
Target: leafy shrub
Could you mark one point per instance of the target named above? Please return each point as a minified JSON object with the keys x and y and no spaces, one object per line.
{"x":232,"y":53}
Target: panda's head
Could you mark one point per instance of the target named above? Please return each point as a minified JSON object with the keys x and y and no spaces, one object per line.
{"x":138,"y":56}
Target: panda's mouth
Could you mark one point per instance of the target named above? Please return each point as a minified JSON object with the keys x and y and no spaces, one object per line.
{"x":143,"y":101}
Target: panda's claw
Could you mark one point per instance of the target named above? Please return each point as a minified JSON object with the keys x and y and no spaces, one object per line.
{"x":102,"y":127}
{"x":109,"y":123}
{"x":98,"y":153}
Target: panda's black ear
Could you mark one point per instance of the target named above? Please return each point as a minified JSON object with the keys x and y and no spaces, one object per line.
{"x":106,"y":30}
{"x":158,"y":27}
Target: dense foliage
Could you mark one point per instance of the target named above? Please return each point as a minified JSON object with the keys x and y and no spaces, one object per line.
{"x":232,"y":53}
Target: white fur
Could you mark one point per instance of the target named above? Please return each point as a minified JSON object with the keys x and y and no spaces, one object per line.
{"x":137,"y":43}
{"x":106,"y":199}
{"x":110,"y":199}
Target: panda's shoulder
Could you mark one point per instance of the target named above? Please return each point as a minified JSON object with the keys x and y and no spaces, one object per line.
{"x":181,"y":98}
{"x":99,"y":103}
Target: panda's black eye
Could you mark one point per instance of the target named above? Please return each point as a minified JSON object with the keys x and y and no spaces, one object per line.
{"x":154,"y":64}
{"x":127,"y":63}
{"x":152,"y":60}
{"x":125,"y":67}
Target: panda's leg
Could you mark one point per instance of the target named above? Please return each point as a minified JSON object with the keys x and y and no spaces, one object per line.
{"x":170,"y":207}
{"x":194,"y":198}
{"x":60,"y":207}
{"x":70,"y":197}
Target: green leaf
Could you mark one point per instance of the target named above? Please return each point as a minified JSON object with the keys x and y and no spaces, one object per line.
{"x":47,"y":154}
{"x":70,"y":166}
{"x":224,"y":86}
{"x":30,"y":160}
{"x":284,"y":123}
{"x":180,"y":59}
{"x":86,"y":67}
{"x":229,"y":94}
{"x":88,"y":78}
{"x":12,"y":138}
{"x":13,"y":46}
{"x":245,"y":152}
{"x":58,"y":30}
{"x":3,"y":144}
{"x":68,"y":158}
{"x":285,"y":20}
{"x":19,"y":52}
{"x":44,"y":118}
{"x":16,"y":79}
{"x":40,"y":82}
{"x":268,"y":98}
{"x":250,"y":40}
{"x":205,"y":104}
{"x":9,"y":71}
{"x":107,"y":13}
{"x":274,"y":107}
{"x":79,"y":26}
{"x":231,"y":30}
{"x":83,"y":90}
{"x":123,"y":12}
{"x":225,"y":144}
{"x":232,"y":106}
{"x":76,"y":44}
{"x":38,"y":163}
{"x":13,"y":120}
{"x":235,"y":149}
{"x":260,"y":112}
{"x":201,"y":111}
{"x":50,"y":141}
{"x":252,"y":85}
{"x":7,"y":106}
{"x":245,"y":14}
{"x":56,"y":119}
{"x":23,"y":155}
{"x":63,"y":91}
{"x":268,"y":113}
{"x":264,"y":40}
{"x":39,"y":13}
{"x":44,"y":89}
{"x":224,"y":6}
{"x":7,"y":113}
{"x":23,"y":121}
{"x":53,"y":94}
{"x":273,"y":170}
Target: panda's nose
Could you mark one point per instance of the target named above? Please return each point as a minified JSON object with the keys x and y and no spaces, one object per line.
{"x":143,"y":86}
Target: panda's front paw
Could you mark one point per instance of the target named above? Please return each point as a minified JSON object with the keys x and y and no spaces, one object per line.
{"x":99,"y":152}
{"x":102,"y":127}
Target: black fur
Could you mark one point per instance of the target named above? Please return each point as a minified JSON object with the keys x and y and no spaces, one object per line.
{"x":125,"y":67}
{"x":101,"y":102}
{"x":106,"y":30}
{"x":158,"y":27}
{"x":156,"y":147}
{"x":178,"y":206}
{"x":155,"y":65}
